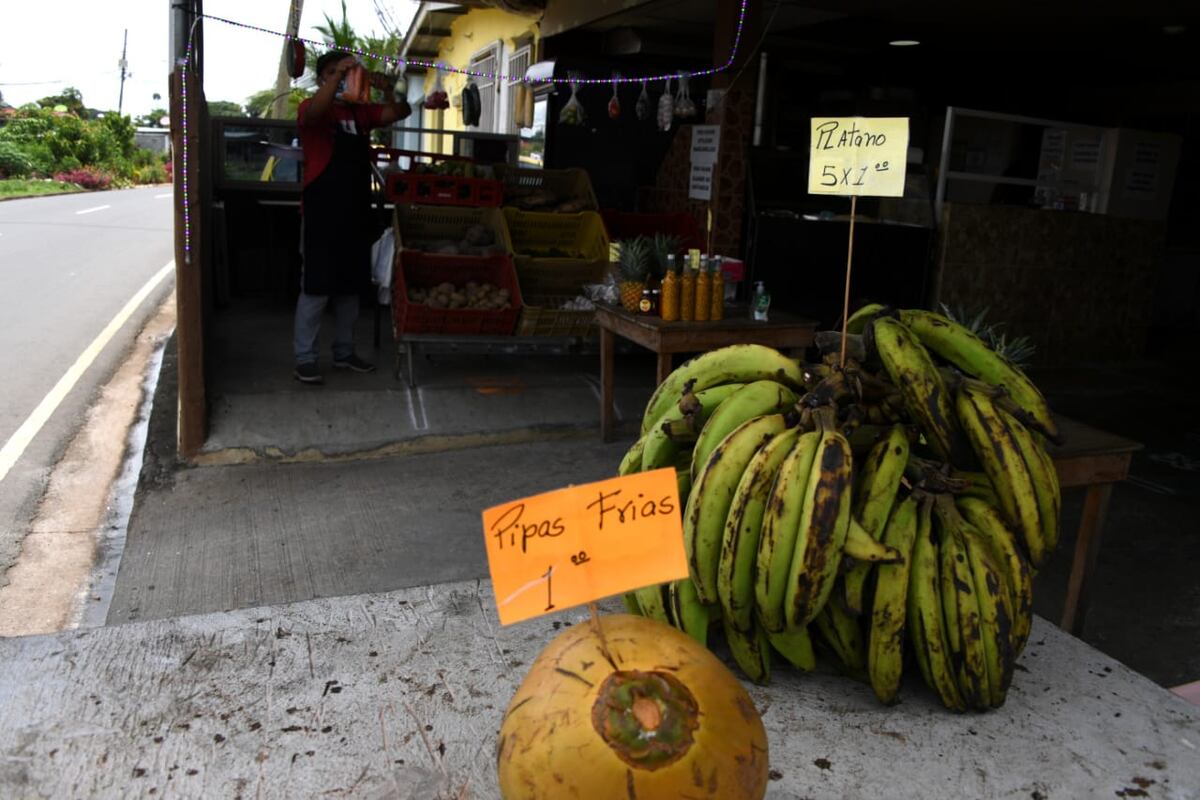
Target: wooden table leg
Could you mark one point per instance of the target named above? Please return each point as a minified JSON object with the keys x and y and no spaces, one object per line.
{"x":664,"y":367}
{"x":1087,"y":550}
{"x":606,"y":384}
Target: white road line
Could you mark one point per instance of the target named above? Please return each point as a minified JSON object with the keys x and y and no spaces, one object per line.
{"x":90,"y":210}
{"x":20,"y":440}
{"x":164,"y":196}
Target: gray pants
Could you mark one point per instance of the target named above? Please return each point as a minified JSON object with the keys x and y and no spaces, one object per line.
{"x":309,"y":308}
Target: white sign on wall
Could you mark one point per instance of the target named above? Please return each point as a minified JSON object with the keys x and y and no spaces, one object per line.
{"x":706,"y":141}
{"x":700,"y":185}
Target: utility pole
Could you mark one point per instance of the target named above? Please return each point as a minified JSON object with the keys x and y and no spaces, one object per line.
{"x":122,"y":64}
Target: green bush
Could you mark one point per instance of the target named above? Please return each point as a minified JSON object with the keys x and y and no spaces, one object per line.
{"x":63,"y":142}
{"x":151,"y":173}
{"x":14,"y":162}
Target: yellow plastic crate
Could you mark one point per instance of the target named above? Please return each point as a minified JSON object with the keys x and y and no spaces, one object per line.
{"x":557,"y":253}
{"x":418,"y":222}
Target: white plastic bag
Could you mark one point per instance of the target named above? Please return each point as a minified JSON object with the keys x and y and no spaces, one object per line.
{"x":383,"y":254}
{"x":684,"y":107}
{"x":666,"y":108}
{"x":643,"y":103}
{"x":572,"y":113}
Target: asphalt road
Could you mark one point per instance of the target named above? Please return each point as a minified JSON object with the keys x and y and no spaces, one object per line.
{"x":68,"y":266}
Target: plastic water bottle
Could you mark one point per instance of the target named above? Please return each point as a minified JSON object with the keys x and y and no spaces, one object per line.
{"x":761,"y":302}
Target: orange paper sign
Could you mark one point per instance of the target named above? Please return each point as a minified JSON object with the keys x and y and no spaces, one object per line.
{"x":572,"y":546}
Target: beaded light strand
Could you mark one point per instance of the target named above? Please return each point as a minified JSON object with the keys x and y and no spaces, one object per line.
{"x":500,"y":76}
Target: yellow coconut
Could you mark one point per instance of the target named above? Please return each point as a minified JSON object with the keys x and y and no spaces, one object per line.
{"x":662,"y":719}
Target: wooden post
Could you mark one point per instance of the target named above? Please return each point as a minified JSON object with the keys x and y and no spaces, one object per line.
{"x":189,"y":300}
{"x":849,"y":261}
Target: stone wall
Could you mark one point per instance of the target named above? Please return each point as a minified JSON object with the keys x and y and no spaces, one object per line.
{"x":1080,"y":285}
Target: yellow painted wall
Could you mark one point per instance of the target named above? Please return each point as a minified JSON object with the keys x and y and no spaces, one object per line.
{"x":470,"y":33}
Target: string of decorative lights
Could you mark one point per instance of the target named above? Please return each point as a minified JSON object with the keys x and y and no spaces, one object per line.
{"x":183,"y":93}
{"x":500,"y":76}
{"x":186,"y":61}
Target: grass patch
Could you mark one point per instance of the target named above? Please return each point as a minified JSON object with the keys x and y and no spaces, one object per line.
{"x":18,"y":187}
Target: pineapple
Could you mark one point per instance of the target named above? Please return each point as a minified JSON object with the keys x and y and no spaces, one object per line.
{"x":633,"y":268}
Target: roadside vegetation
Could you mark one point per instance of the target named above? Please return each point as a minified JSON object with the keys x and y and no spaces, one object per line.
{"x":59,"y":142}
{"x":22,"y":187}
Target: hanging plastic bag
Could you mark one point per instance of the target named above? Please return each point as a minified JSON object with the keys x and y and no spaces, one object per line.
{"x":572,"y":113}
{"x":666,"y":108}
{"x":614,"y":105}
{"x":438,"y":99}
{"x":642,"y":109}
{"x":684,"y":107}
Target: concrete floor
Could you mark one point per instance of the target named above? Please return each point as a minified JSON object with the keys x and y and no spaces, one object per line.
{"x":216,"y":538}
{"x":257,"y":406}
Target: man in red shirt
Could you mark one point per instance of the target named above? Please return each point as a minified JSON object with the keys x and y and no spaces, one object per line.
{"x":336,"y":217}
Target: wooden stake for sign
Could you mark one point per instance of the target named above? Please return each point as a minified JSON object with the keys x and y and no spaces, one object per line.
{"x":710,"y":230}
{"x":849,"y":260}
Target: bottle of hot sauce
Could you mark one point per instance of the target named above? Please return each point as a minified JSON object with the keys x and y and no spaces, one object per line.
{"x":687,"y":295}
{"x":669,"y":299}
{"x":717,"y":308}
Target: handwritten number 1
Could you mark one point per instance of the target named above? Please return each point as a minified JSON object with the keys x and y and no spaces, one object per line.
{"x":549,"y":596}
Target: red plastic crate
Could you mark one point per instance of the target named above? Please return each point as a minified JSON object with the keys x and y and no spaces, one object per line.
{"x":628,"y":225}
{"x":401,"y":185}
{"x":416,"y":270}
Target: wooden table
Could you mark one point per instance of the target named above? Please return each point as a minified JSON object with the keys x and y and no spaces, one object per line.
{"x":401,"y":695}
{"x":1093,"y":460}
{"x":783,"y":332}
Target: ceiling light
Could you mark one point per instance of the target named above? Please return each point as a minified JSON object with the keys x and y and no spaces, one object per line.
{"x":904,"y":43}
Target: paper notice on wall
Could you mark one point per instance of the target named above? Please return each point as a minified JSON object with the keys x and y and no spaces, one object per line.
{"x":700,"y":186}
{"x":1085,"y":154}
{"x":864,"y":156}
{"x":1142,"y":176}
{"x":706,"y":141}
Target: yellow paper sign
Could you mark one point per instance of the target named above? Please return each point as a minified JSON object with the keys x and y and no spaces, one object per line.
{"x":858,"y":156}
{"x":572,"y":546}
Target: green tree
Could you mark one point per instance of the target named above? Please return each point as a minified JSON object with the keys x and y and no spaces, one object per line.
{"x":151,"y":118}
{"x":338,"y":34}
{"x":259,"y":103}
{"x":224,"y":108}
{"x":70,"y":97}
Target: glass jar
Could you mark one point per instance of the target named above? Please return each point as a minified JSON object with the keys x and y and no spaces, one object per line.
{"x":687,"y":296}
{"x":716,"y":309}
{"x":669,"y":298}
{"x":703,"y":296}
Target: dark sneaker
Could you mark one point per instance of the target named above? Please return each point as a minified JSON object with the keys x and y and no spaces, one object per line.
{"x":355,"y":363}
{"x":308,"y":373}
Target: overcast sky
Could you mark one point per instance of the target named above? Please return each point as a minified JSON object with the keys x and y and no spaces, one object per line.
{"x":47,"y":45}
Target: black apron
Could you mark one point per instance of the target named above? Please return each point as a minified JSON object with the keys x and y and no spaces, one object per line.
{"x":337,"y":218}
